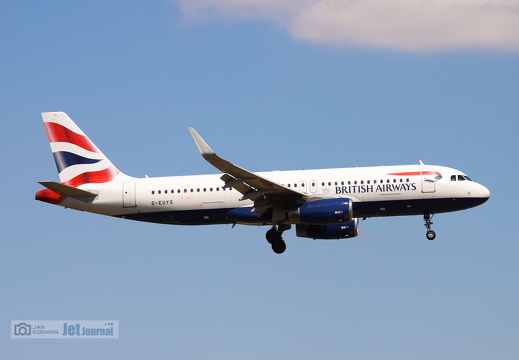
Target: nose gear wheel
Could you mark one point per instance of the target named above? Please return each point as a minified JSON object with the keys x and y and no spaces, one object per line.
{"x":430,"y":234}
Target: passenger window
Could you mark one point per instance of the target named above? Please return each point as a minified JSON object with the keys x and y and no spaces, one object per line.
{"x":152,"y":192}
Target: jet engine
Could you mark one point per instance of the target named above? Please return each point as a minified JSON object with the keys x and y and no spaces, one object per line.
{"x":329,"y":232}
{"x":325,"y":211}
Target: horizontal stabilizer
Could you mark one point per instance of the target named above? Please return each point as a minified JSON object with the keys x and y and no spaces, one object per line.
{"x":66,"y":190}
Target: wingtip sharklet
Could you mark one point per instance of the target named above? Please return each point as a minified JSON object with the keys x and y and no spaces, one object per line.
{"x":200,"y":143}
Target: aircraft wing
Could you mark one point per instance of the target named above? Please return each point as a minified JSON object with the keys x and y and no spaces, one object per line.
{"x":264,"y":192}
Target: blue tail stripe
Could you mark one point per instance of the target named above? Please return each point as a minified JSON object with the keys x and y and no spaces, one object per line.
{"x":65,"y":159}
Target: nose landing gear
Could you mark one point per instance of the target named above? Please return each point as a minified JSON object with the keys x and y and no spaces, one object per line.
{"x":430,"y":234}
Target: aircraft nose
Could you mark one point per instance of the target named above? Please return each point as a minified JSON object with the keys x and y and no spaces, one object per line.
{"x":483,"y":193}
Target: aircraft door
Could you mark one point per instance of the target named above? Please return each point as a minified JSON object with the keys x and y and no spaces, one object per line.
{"x":129,"y":195}
{"x":302,"y":185}
{"x":313,"y":186}
{"x":428,"y":180}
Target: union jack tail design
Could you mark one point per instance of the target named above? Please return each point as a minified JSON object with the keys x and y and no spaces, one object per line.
{"x":78,"y":160}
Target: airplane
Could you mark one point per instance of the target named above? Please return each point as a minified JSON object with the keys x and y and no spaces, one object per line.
{"x":321,"y":204}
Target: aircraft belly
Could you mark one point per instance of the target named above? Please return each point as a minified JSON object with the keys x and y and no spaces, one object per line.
{"x":413,"y":207}
{"x":184,"y":217}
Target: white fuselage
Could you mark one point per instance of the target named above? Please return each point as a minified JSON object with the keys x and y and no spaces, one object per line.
{"x":202,"y":199}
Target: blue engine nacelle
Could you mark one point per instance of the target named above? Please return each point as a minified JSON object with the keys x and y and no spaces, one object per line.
{"x":329,"y":232}
{"x":325,"y":211}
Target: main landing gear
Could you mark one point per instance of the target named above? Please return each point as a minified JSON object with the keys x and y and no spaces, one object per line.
{"x":430,"y":234}
{"x":275,"y":239}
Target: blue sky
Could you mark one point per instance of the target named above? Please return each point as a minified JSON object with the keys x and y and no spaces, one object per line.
{"x":267,"y":96}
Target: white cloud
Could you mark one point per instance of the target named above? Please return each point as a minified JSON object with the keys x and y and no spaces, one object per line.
{"x":404,"y":25}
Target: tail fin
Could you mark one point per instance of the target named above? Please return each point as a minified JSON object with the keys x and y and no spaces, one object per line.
{"x":78,"y":160}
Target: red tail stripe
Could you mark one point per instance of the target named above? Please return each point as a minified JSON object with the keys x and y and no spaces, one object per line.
{"x":59,"y":133}
{"x":49,"y":196}
{"x":415,"y":173}
{"x":96,"y":177}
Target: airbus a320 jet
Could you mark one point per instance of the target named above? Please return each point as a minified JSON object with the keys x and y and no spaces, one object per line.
{"x":321,"y":204}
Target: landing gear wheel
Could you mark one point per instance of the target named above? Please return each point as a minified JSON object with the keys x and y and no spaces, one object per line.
{"x":430,"y":234}
{"x":279,"y":247}
{"x":273,"y":236}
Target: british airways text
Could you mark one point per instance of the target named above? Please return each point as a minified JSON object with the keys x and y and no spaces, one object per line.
{"x":361,"y":189}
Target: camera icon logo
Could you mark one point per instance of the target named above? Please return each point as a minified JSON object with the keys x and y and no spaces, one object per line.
{"x":22,"y":329}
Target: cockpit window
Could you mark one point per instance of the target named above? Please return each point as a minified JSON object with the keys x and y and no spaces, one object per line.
{"x":460,"y":178}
